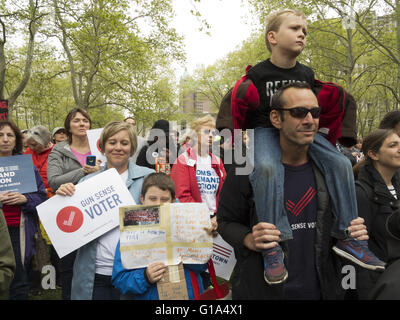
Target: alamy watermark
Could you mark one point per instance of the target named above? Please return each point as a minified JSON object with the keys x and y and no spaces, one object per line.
{"x":49,"y":277}
{"x":231,"y":147}
{"x":349,"y":279}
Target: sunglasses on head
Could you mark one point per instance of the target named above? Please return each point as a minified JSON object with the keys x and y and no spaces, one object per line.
{"x":34,"y":132}
{"x":301,"y":112}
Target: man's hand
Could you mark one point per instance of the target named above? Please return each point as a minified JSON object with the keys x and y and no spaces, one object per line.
{"x":358,"y":229}
{"x":264,"y":236}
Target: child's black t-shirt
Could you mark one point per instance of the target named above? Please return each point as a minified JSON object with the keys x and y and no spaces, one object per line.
{"x":268,"y":78}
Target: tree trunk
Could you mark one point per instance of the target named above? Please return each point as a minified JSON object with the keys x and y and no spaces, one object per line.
{"x":397,"y":21}
{"x":68,"y":53}
{"x":32,"y":29}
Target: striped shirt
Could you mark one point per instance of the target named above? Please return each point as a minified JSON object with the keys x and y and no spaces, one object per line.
{"x":392,"y":191}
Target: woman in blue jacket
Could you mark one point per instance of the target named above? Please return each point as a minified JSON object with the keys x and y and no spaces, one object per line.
{"x":94,"y":261}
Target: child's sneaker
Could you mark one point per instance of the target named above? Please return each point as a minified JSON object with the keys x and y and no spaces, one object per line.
{"x":358,"y":252}
{"x":274,"y":268}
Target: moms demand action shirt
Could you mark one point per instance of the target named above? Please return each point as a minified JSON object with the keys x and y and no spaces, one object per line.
{"x":300,"y":198}
{"x":208,"y":182}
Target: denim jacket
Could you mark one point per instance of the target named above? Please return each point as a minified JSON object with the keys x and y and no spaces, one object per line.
{"x":84,"y":266}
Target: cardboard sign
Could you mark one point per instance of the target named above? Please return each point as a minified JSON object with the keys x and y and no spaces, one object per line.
{"x":71,"y":222}
{"x":223,"y":258}
{"x":172,"y":285}
{"x":17,"y":174}
{"x":171,"y":233}
{"x":94,"y":138}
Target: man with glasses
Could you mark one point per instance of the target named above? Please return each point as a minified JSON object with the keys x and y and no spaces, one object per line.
{"x":309,"y":227}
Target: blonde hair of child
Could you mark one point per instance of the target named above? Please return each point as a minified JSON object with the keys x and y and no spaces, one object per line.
{"x":274,"y":21}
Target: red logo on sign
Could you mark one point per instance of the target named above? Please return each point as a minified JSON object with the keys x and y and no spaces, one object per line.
{"x":69,"y":219}
{"x":98,"y":145}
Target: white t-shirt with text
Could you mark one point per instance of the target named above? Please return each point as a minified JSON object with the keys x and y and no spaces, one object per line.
{"x":106,"y":245}
{"x":208,"y":182}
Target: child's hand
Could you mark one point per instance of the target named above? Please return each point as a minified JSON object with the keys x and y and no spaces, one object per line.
{"x":155,"y":271}
{"x":214,"y":226}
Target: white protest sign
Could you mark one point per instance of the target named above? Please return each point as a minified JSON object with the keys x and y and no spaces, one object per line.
{"x":94,"y":137}
{"x":93,"y":210}
{"x":223,"y":258}
{"x":170,"y":233}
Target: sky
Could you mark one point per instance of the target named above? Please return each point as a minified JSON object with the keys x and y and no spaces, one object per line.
{"x":230,"y":22}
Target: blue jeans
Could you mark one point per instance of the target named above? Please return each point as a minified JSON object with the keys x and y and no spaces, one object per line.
{"x":267,"y":181}
{"x":19,"y":288}
{"x":66,"y":272}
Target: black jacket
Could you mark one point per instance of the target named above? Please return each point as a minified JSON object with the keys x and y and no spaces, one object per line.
{"x":388,"y":285}
{"x":236,"y":216}
{"x":380,"y":211}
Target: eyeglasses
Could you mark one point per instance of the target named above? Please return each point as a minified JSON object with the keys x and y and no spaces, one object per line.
{"x":301,"y":112}
{"x":208,"y":131}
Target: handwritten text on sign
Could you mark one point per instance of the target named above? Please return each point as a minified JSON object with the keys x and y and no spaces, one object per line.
{"x":71,"y":222}
{"x":173,"y":234}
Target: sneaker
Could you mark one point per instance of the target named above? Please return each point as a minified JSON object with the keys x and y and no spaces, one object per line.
{"x":274,"y":268}
{"x":358,"y":252}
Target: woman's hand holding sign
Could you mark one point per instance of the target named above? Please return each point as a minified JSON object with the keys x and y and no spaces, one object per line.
{"x":66,"y":189}
{"x":12,"y":198}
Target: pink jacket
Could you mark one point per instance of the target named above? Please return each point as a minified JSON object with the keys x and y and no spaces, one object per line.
{"x":184,"y":176}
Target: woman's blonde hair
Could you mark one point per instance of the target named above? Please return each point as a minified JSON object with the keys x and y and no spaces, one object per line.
{"x":114,"y":127}
{"x":207,"y":120}
{"x":275,"y":20}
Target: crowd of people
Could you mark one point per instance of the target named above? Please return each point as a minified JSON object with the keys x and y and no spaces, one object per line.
{"x":307,"y":209}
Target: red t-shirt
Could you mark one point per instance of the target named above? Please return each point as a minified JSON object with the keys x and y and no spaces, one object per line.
{"x":40,"y":161}
{"x":12,"y":215}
